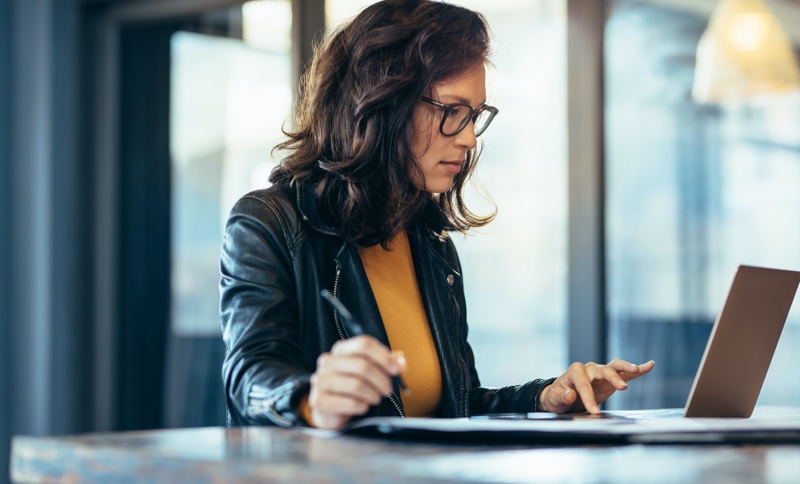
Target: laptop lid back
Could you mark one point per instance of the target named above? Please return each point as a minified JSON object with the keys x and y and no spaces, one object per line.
{"x":742,"y":343}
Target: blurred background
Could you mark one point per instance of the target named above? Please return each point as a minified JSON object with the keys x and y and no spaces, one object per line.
{"x":634,"y":166}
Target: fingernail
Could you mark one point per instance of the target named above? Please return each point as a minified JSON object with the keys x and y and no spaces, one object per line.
{"x":400,"y":358}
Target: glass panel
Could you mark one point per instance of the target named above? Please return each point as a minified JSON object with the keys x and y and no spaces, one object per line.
{"x":515,"y":269}
{"x":229,"y":101}
{"x":693,"y":192}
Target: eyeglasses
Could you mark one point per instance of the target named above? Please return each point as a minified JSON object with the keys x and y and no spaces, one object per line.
{"x":456,"y":117}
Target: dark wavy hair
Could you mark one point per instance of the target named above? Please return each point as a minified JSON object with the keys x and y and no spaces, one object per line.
{"x":354,"y":129}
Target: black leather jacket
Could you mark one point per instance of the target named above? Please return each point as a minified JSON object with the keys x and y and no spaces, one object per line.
{"x":277,"y":255}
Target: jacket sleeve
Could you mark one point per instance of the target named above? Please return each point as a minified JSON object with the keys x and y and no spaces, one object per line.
{"x":483,"y":400}
{"x":263,"y":374}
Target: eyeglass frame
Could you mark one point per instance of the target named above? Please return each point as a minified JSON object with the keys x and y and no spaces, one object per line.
{"x":447,"y":108}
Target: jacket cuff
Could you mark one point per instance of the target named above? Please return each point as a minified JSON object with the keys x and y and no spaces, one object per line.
{"x":544,"y":385}
{"x":278,"y":406}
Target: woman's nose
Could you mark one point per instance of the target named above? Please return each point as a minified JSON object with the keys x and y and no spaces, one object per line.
{"x":466,"y":137}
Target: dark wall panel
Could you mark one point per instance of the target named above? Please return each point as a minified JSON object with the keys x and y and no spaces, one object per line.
{"x":71,"y":274}
{"x":144,"y":252}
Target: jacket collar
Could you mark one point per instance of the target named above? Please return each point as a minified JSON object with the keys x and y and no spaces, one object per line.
{"x":306,"y":202}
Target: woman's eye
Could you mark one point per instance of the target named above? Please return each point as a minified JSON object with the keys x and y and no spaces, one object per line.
{"x":457,"y":111}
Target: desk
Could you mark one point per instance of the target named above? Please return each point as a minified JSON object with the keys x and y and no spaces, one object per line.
{"x":263,"y":454}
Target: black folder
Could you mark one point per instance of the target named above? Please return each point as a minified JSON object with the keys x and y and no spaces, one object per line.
{"x":638,"y":429}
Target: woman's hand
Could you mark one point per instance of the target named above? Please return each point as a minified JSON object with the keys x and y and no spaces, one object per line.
{"x":352,"y":377}
{"x":583,"y":387}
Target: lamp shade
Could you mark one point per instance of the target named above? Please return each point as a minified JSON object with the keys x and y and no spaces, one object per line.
{"x":743,"y":53}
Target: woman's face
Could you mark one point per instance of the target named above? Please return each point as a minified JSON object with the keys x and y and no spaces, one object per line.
{"x":441,"y":158}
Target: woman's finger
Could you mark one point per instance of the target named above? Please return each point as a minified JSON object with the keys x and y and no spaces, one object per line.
{"x":607,"y":373}
{"x":370,"y":348}
{"x":578,"y":380}
{"x":334,"y":403}
{"x":354,"y":369}
{"x":623,"y":366}
{"x":642,"y":369}
{"x":333,"y":411}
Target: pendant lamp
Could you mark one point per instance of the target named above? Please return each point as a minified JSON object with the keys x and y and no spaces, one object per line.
{"x":743,"y":54}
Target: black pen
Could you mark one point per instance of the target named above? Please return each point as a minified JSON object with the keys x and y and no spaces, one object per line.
{"x":355,"y":329}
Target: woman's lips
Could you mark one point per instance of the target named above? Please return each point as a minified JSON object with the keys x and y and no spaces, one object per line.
{"x":452,"y":166}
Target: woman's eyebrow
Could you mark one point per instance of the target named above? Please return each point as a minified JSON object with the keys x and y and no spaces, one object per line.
{"x":461,"y":99}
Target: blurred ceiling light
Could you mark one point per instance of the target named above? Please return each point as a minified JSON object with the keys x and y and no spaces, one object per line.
{"x":267,"y":24}
{"x":744,"y":53}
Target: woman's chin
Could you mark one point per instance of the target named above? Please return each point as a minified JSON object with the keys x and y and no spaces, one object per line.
{"x":439,"y":186}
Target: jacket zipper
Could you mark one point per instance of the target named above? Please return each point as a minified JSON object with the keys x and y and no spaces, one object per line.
{"x":339,"y":326}
{"x":343,"y":335}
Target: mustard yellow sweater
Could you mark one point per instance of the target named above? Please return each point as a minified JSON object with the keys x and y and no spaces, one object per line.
{"x":394,"y":283}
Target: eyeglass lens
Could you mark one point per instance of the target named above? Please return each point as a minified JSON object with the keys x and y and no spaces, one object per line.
{"x":458,"y":116}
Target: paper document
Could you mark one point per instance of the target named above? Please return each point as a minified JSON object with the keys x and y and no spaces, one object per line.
{"x":632,"y":428}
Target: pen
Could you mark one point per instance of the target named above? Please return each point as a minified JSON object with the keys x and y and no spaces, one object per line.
{"x":355,"y":329}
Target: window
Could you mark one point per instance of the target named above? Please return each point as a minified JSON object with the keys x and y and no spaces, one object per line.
{"x":229,"y":100}
{"x":693,"y":191}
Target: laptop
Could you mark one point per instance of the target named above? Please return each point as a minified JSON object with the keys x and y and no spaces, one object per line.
{"x":739,"y":349}
{"x":726,"y":386}
{"x":742,"y":343}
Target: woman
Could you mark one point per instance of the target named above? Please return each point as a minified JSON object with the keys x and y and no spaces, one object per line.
{"x":373,"y":182}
